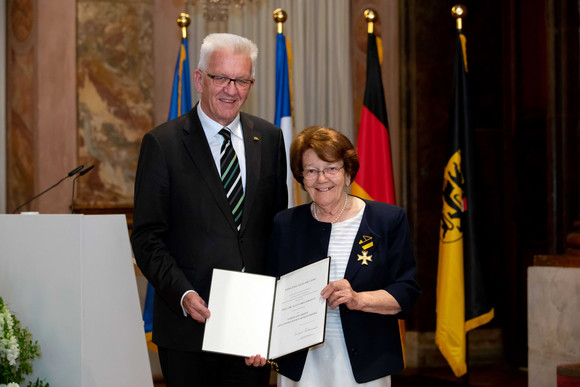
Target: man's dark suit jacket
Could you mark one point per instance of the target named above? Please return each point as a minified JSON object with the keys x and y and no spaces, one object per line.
{"x":372,"y":340}
{"x":183,"y":226}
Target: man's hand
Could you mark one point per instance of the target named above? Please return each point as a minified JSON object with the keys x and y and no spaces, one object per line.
{"x":196,"y":307}
{"x":256,"y":361}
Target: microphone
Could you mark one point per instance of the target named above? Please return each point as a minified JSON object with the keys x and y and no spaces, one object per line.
{"x":70,"y":174}
{"x":81,"y":173}
{"x":75,"y":171}
{"x":84,"y":171}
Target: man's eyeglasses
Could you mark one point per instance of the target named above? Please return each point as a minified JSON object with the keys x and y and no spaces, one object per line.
{"x":220,"y":81}
{"x":312,"y":173}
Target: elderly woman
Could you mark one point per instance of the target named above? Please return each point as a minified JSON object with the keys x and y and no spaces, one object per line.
{"x":372,"y":274}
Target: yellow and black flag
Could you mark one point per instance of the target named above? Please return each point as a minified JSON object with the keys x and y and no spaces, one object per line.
{"x":462,"y":301}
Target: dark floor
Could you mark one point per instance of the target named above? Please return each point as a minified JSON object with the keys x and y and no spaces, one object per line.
{"x":479,"y":376}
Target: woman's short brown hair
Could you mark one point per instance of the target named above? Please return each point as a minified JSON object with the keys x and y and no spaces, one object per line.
{"x":329,"y":145}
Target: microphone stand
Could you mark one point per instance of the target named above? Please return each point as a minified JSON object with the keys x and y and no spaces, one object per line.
{"x":81,"y":173}
{"x":71,"y":173}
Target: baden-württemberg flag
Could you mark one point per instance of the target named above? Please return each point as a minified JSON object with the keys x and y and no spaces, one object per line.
{"x":462,"y":301}
{"x":283,"y":114}
{"x":180,"y":104}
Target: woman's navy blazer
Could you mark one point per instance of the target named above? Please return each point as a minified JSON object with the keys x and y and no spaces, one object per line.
{"x":372,"y":340}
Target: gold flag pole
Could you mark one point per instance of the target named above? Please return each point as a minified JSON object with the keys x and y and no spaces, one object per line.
{"x":280,"y":17}
{"x":459,"y":11}
{"x":370,"y":17}
{"x":183,"y":21}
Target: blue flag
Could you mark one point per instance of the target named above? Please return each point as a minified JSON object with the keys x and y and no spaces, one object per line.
{"x":181,"y":91}
{"x":180,"y":104}
{"x":283,"y":114}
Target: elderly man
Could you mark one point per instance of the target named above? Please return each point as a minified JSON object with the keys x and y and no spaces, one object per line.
{"x":208,"y":185}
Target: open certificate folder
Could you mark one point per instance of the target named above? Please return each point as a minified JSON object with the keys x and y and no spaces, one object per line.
{"x":255,"y":314}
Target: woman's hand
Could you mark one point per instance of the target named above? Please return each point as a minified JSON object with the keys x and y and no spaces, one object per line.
{"x":340,"y":292}
{"x":376,"y":301}
{"x":256,"y":361}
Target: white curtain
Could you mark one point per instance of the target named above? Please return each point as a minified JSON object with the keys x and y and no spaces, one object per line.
{"x":319,"y":34}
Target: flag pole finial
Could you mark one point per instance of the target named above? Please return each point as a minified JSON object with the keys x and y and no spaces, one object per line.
{"x":183,"y":21}
{"x":371,"y":17}
{"x":280,"y":17}
{"x":459,"y":11}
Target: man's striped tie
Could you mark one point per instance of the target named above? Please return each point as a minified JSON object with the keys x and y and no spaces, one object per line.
{"x":232,"y":177}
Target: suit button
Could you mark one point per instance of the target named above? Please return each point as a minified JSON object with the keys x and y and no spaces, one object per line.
{"x":241,"y":240}
{"x":353,"y":352}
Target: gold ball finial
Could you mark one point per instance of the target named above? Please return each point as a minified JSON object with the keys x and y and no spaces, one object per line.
{"x":183,"y":21}
{"x":370,"y":15}
{"x":459,"y":11}
{"x":280,"y":17}
{"x":371,"y":18}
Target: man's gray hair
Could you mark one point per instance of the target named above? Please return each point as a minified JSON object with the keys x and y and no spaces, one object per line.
{"x":230,"y":43}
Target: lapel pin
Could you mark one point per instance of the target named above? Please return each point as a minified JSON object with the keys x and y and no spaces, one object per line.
{"x":367,"y":240}
{"x":364,"y":258}
{"x":256,"y":138}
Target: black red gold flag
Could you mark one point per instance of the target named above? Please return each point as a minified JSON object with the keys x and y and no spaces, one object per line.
{"x":374,"y":180}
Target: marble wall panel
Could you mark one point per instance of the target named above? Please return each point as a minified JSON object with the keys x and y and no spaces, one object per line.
{"x":115,"y":96}
{"x":553,"y":328}
{"x":56,"y":110}
{"x":20,"y":100}
{"x":20,"y":152}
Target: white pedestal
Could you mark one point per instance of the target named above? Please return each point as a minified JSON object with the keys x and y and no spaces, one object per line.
{"x":70,"y":280}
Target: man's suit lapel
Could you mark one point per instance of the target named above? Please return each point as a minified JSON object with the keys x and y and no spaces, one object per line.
{"x":198,"y":148}
{"x":253,"y":150}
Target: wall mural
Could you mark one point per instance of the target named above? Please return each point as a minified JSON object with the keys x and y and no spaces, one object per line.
{"x":115,"y":97}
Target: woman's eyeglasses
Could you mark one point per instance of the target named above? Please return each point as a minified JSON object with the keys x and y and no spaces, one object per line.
{"x":312,"y":173}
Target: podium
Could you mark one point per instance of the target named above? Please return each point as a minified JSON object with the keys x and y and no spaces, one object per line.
{"x":70,"y":280}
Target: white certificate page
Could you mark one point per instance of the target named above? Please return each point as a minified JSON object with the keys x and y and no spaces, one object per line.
{"x":258,"y":315}
{"x":299,"y":310}
{"x":241,"y":311}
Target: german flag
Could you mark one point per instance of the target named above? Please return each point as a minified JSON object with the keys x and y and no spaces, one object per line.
{"x":374,"y":180}
{"x":462,"y":301}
